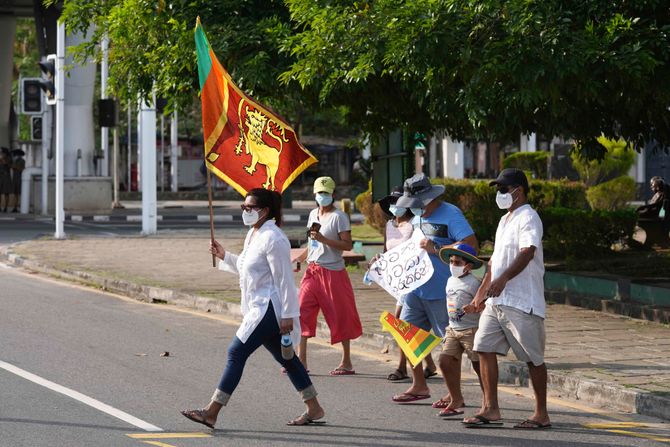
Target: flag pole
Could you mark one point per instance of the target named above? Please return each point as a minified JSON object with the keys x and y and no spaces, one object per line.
{"x":211,"y":212}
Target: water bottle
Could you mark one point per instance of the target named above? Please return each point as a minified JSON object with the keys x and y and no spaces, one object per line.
{"x":366,"y":279}
{"x":287,"y":347}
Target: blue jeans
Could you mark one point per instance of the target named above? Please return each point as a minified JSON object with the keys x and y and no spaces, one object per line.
{"x":426,"y":314}
{"x":266,"y":334}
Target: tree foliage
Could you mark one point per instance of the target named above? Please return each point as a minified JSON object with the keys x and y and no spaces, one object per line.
{"x":492,"y":69}
{"x":479,"y":69}
{"x":617,"y":160}
{"x":152,"y":45}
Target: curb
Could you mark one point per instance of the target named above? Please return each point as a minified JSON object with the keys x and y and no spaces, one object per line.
{"x":613,"y":397}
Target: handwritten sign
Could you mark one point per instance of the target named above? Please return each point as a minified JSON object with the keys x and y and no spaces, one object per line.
{"x":403,"y":268}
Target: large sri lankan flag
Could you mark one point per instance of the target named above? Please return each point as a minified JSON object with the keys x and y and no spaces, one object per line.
{"x":414,"y":342}
{"x":246,"y":145}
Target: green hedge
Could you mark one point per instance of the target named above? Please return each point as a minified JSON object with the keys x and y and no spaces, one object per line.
{"x":571,"y":230}
{"x":477,"y":201}
{"x":534,"y":162}
{"x":571,"y":233}
{"x":612,"y":195}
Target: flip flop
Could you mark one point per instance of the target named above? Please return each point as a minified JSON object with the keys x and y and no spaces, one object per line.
{"x":450,"y":412}
{"x":191,"y":414}
{"x":428,"y":373}
{"x":442,"y":403}
{"x":530,"y":424}
{"x":409,"y":397}
{"x":397,"y":375}
{"x":305,"y":419}
{"x":342,"y":372}
{"x":483,"y":422}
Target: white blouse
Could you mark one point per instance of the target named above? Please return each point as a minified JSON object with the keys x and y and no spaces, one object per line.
{"x":266,"y":275}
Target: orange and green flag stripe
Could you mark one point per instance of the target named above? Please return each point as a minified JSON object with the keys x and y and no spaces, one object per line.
{"x":226,"y":114}
{"x":414,"y":341}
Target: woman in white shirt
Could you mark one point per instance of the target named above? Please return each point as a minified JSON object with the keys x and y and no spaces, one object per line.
{"x":269,"y":306}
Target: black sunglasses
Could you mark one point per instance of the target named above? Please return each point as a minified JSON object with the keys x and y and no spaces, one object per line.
{"x":250,"y":207}
{"x":505,"y":189}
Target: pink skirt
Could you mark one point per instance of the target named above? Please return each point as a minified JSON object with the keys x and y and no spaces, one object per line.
{"x":329,"y":291}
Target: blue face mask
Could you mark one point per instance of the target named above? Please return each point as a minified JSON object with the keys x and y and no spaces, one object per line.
{"x":397,"y":211}
{"x":323,"y":198}
{"x":416,"y":211}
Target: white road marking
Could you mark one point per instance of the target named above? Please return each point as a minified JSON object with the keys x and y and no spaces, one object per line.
{"x":132,"y":420}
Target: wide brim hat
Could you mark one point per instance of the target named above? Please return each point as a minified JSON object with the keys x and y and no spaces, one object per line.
{"x":386,"y":202}
{"x":465,"y":251}
{"x":419,"y":188}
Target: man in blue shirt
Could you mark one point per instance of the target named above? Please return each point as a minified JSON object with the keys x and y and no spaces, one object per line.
{"x":443,"y":225}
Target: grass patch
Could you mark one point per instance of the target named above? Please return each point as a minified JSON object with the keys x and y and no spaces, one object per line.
{"x":366,"y":233}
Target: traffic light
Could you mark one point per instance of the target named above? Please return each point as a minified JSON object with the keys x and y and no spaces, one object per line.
{"x":107,"y":113}
{"x":31,"y":96}
{"x":36,"y":128}
{"x":48,"y":67}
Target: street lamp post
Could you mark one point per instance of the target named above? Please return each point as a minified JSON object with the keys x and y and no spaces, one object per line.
{"x":60,"y":128}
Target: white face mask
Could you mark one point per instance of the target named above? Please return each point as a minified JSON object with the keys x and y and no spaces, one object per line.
{"x":456,"y":270}
{"x":250,"y":218}
{"x":397,"y":211}
{"x":416,"y":211}
{"x":323,"y":198}
{"x":505,"y":201}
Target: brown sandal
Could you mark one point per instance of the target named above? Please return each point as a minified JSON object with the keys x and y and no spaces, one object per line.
{"x":397,"y":375}
{"x":199,"y":416}
{"x":305,"y":419}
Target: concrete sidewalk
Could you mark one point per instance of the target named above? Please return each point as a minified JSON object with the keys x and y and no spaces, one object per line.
{"x":605,"y":360}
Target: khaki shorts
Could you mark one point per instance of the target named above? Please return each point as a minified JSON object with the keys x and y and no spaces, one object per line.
{"x":502,"y":327}
{"x":455,"y":342}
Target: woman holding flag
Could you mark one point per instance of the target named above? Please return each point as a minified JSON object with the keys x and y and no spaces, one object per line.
{"x":269,"y":306}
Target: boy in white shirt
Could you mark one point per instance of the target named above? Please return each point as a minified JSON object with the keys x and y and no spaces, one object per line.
{"x":460,"y":334}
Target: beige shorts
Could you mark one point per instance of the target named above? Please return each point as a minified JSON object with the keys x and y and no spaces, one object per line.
{"x":456,"y":342}
{"x":502,"y":327}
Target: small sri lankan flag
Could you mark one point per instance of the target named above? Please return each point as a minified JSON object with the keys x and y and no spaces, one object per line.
{"x":246,"y":145}
{"x":414,"y":342}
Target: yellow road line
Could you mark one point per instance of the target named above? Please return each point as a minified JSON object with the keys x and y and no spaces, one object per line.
{"x":640,"y":435}
{"x":168,"y":435}
{"x":159,"y":444}
{"x":607,"y":425}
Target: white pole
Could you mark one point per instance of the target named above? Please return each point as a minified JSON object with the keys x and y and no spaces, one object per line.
{"x":60,"y":129}
{"x":532,"y":142}
{"x":138,"y":168}
{"x":148,"y":178}
{"x":162,"y":153}
{"x":115,"y":169}
{"x":173,"y":151}
{"x":46,"y":146}
{"x":129,"y":140}
{"x":104,"y":131}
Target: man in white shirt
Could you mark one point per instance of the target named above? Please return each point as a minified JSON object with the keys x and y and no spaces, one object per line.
{"x":512,"y":293}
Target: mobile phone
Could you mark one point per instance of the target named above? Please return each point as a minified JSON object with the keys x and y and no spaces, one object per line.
{"x":316,"y":226}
